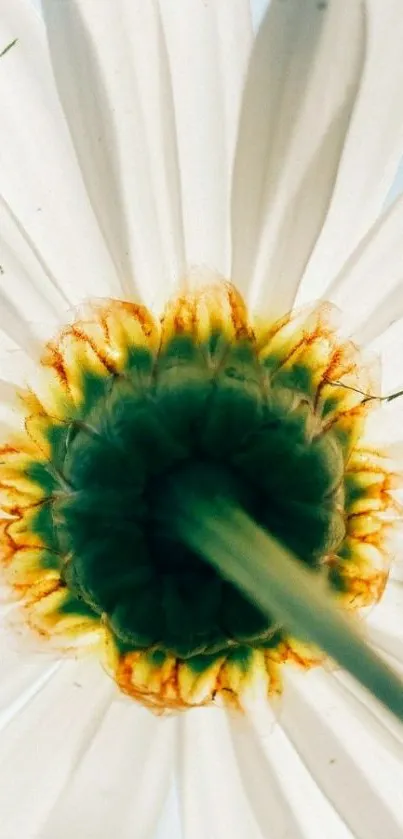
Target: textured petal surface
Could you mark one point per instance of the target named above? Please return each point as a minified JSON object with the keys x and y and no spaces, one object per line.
{"x":39,"y":176}
{"x":212,"y":798}
{"x":208,"y":45}
{"x":351,"y":763}
{"x":33,"y":303}
{"x":371,"y":155}
{"x":143,"y":92}
{"x":329,"y":763}
{"x":121,"y":781}
{"x":112,"y":75}
{"x":387,"y":615}
{"x":369,"y":289}
{"x":21,"y":677}
{"x":44,"y":742}
{"x":303,"y":77}
{"x":389,"y":347}
{"x":295,"y":805}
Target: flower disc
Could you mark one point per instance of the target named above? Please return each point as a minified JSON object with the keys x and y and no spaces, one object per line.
{"x":132,"y":414}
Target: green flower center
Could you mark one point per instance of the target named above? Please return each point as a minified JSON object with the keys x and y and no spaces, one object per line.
{"x":207,"y":417}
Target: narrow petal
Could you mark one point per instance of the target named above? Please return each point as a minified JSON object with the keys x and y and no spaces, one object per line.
{"x":378,"y":720}
{"x":268,"y":761}
{"x":369,"y":287}
{"x":385,"y":427}
{"x":43,"y":743}
{"x":208,"y":45}
{"x":169,"y":823}
{"x":388,"y":346}
{"x":210,"y":787}
{"x":21,"y":677}
{"x":261,"y":783}
{"x":357,"y":772}
{"x":121,"y":781}
{"x":371,"y":157}
{"x":40,"y":179}
{"x":387,"y":615}
{"x":389,"y":643}
{"x":32,"y":302}
{"x":113,"y":80}
{"x":301,"y":87}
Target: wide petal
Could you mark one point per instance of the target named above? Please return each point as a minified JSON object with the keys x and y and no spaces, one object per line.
{"x":302,"y":82}
{"x":39,"y":177}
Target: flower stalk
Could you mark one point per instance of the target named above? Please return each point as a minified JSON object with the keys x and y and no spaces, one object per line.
{"x":299,"y":598}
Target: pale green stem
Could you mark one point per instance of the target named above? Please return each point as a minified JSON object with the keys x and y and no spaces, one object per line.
{"x":285,"y":589}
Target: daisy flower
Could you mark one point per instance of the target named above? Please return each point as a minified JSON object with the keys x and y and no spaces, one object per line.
{"x":200,"y":344}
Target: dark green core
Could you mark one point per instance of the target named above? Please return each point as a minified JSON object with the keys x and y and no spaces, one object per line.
{"x":209,"y":417}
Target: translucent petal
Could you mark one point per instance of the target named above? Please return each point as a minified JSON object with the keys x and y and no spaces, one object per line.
{"x":121,"y":781}
{"x":131,"y":100}
{"x":40,"y":179}
{"x":32,"y":302}
{"x":302,"y":81}
{"x":211,"y":792}
{"x":110,"y":66}
{"x":357,"y":771}
{"x":374,"y":716}
{"x":275,"y":764}
{"x":371,"y":157}
{"x":43,"y":743}
{"x":389,"y":348}
{"x":387,"y":614}
{"x":22,"y":675}
{"x":371,"y":279}
{"x":208,"y":46}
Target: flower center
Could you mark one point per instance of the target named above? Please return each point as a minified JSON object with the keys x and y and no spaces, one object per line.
{"x":258,"y":443}
{"x":130,"y":419}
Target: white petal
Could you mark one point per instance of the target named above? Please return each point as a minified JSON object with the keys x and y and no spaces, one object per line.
{"x":121,"y":781}
{"x":384,"y":427}
{"x":40,"y":747}
{"x":208,"y":44}
{"x":269,"y":803}
{"x":210,"y":788}
{"x":303,"y":77}
{"x":40,"y":179}
{"x":371,"y":155}
{"x":21,"y":677}
{"x":373,"y":272}
{"x":389,"y":310}
{"x":357,"y":771}
{"x":169,"y":824}
{"x":113,"y":80}
{"x":278,"y":771}
{"x":373,"y":715}
{"x":32,"y":303}
{"x":389,"y":644}
{"x":387,"y":614}
{"x":389,"y":348}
